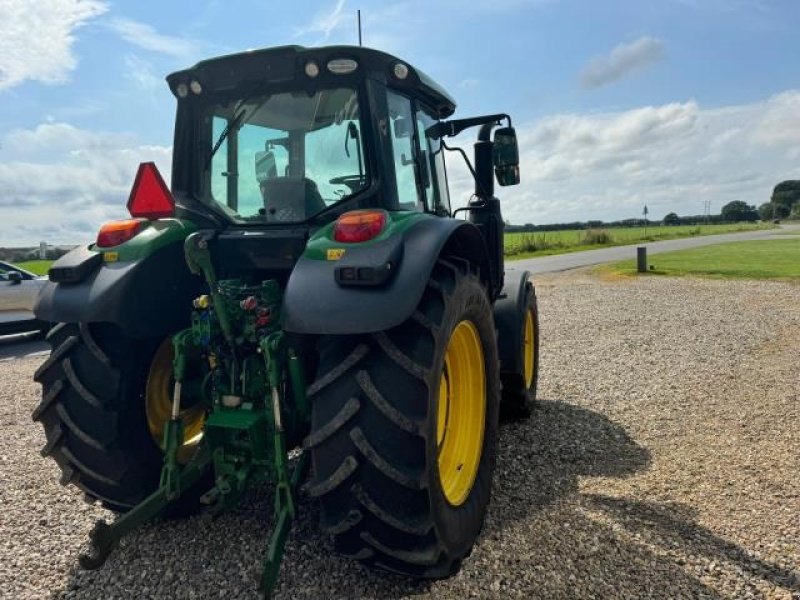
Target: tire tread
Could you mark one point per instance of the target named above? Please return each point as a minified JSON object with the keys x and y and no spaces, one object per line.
{"x":375,"y":501}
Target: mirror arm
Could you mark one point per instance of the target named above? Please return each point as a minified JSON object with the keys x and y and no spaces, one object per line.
{"x":456,"y":126}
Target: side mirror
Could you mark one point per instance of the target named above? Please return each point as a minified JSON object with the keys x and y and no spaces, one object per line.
{"x":15,"y":277}
{"x":506,"y":156}
{"x":266,"y":168}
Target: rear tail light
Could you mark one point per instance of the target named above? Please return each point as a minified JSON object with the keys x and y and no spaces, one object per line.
{"x":150,"y":197}
{"x":115,"y":233}
{"x":359,"y":226}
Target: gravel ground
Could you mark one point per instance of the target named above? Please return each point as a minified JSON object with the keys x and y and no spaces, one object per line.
{"x":664,"y":462}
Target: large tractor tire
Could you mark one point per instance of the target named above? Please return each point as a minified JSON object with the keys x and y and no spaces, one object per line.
{"x":104,"y":401}
{"x":519,"y":389}
{"x":404,"y":431}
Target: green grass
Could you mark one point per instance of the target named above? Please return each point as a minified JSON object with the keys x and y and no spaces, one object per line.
{"x":36,"y":266}
{"x":526,"y":245}
{"x":758,"y":259}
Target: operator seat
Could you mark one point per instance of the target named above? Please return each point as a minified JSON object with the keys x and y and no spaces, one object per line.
{"x":290,"y":199}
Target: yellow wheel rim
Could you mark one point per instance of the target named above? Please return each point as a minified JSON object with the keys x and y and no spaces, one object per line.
{"x":461,"y":413}
{"x":158,"y":404}
{"x":529,"y":348}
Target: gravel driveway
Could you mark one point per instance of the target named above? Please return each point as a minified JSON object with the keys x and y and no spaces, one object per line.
{"x":664,"y":461}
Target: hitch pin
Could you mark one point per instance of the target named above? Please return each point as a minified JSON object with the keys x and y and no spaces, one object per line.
{"x":176,"y":401}
{"x":276,"y":409}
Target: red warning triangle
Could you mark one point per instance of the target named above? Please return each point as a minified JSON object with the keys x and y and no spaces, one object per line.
{"x":150,"y":197}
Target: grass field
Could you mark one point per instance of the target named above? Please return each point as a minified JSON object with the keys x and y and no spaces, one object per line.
{"x":36,"y":266}
{"x":760,"y":259}
{"x":526,"y":245}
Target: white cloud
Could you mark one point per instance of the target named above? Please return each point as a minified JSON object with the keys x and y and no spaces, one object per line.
{"x":141,"y":74}
{"x":63,"y":182}
{"x":36,"y":39}
{"x":622,"y":61}
{"x":323,"y":23}
{"x":145,"y":36}
{"x":671,"y":157}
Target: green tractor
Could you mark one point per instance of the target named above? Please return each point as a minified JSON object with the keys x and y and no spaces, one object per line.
{"x":303,"y":296}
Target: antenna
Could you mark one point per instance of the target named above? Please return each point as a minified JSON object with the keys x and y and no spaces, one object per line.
{"x":359,"y":27}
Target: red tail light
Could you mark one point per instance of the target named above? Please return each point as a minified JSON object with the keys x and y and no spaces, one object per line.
{"x":150,"y":197}
{"x":115,"y":233}
{"x":359,"y":226}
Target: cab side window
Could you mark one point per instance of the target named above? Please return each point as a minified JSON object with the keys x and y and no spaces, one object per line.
{"x":432,"y":167}
{"x":401,"y":132}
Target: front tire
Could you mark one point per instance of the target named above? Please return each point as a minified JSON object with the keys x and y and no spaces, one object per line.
{"x":404,"y":431}
{"x":519,"y":389}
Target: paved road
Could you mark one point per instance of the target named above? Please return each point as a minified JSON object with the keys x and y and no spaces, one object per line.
{"x":563,"y":262}
{"x":20,"y":346}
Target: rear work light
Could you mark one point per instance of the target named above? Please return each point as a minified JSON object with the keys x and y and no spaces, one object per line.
{"x":150,"y":197}
{"x":115,"y":233}
{"x":359,"y":226}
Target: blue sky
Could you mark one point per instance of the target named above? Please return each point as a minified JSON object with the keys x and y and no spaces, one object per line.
{"x":616,"y":103}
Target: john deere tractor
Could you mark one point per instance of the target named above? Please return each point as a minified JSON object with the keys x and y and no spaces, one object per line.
{"x":302,"y":295}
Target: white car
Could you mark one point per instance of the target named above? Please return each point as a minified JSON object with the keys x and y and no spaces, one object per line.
{"x":18,"y":291}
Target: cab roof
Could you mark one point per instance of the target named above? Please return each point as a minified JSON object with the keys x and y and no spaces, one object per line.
{"x":284,"y":64}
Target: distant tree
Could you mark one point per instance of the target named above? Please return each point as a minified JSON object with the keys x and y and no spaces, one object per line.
{"x":795,"y":214}
{"x":766,"y":211}
{"x":738,"y":210}
{"x":785,"y":195}
{"x":672,"y":219}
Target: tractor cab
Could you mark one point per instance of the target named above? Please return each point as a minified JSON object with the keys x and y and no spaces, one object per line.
{"x":291,"y":138}
{"x":297,"y":136}
{"x":292,"y":135}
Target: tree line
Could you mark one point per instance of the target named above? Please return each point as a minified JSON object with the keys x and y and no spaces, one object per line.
{"x":784,"y":203}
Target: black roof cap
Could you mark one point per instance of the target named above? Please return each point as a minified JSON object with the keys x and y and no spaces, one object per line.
{"x":287,"y":63}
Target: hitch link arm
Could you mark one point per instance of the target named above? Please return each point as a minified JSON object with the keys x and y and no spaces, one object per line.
{"x":104,"y":537}
{"x":273,"y":351}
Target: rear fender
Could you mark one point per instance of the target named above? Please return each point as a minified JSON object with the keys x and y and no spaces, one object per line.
{"x":144,"y":287}
{"x":316,"y":303}
{"x":509,"y":318}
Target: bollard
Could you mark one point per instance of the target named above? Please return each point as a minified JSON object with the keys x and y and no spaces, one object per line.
{"x":641,"y":259}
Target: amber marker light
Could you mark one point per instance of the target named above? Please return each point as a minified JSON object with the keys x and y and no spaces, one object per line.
{"x":359,"y":226}
{"x":115,"y":233}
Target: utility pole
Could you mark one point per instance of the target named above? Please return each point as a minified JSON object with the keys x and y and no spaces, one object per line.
{"x":644,"y":212}
{"x":359,"y":27}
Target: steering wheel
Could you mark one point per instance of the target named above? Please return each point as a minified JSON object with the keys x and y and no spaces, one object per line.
{"x":354,"y":182}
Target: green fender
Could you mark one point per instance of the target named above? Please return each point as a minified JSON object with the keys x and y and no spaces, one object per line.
{"x":143,"y":285}
{"x":318,"y":300}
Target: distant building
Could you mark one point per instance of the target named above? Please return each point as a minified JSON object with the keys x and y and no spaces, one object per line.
{"x":42,"y":250}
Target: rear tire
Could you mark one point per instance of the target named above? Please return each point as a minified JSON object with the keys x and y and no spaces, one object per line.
{"x":92,"y":411}
{"x":375,"y":440}
{"x":93,"y":414}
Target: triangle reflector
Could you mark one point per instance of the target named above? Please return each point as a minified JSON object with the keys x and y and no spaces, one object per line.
{"x":150,"y":197}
